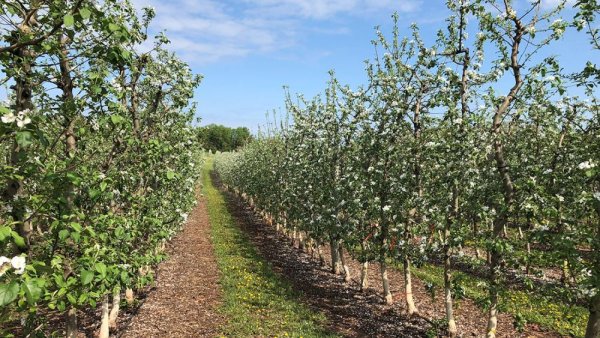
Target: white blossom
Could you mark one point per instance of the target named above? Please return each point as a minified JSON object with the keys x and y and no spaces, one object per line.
{"x":9,"y":118}
{"x":18,"y":263}
{"x":21,"y":118}
{"x":586,"y":165}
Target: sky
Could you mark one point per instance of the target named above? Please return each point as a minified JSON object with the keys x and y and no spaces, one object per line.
{"x":247,"y":50}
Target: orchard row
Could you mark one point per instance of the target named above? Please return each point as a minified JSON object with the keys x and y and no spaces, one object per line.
{"x":475,"y":148}
{"x":98,"y":159}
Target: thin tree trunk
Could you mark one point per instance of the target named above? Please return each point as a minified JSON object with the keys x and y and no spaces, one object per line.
{"x":336,"y":267}
{"x":410,"y":303}
{"x":528,"y":265}
{"x":387,"y":294}
{"x":72,"y":329}
{"x":114,"y":311}
{"x":129,"y":296}
{"x":364,"y":270}
{"x":504,"y":173}
{"x":593,"y":325}
{"x":104,"y":327}
{"x":301,"y":243}
{"x":447,"y":263}
{"x":364,"y":276}
{"x":347,"y":276}
{"x":294,"y":234}
{"x":320,"y":253}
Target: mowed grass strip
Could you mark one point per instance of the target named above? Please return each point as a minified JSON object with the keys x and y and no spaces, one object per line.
{"x":257,"y":302}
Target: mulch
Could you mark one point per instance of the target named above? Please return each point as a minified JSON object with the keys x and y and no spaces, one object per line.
{"x":185,"y":300}
{"x":356,"y":313}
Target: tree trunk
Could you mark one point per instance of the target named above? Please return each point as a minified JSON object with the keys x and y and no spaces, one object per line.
{"x":293,"y":239}
{"x":301,"y":243}
{"x":387,"y":294}
{"x":347,"y":276}
{"x":114,"y":311}
{"x":593,"y":325}
{"x":503,"y":171}
{"x":448,"y":298}
{"x":452,"y":216}
{"x":320,"y":253}
{"x":410,"y":303}
{"x":104,"y":327}
{"x":72,"y":330}
{"x":364,"y":276}
{"x":336,"y":267}
{"x":129,"y":296}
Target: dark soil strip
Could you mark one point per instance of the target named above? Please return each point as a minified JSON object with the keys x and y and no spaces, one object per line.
{"x":187,"y":295}
{"x":363,"y":314}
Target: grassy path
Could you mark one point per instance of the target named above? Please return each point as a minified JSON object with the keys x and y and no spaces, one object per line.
{"x":256,"y":301}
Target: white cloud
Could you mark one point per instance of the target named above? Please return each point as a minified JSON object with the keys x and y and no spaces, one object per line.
{"x":205,"y":31}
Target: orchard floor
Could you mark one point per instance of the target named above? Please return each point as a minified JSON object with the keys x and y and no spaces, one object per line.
{"x":185,"y":300}
{"x":353,"y":313}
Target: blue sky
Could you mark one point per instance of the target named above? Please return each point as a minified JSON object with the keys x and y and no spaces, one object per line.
{"x":248,"y":49}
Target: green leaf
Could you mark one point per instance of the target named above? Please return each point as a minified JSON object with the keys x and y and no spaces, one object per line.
{"x":74,"y":178}
{"x":116,"y":119}
{"x":82,"y":298}
{"x":63,"y":234}
{"x":69,"y":20}
{"x":24,"y":138}
{"x":76,"y":236}
{"x":170,"y":175}
{"x":32,"y":291}
{"x":87,"y":277}
{"x":18,"y":240}
{"x":5,"y":232}
{"x":119,"y":232}
{"x":101,"y":268}
{"x":76,"y":226}
{"x":103,"y":186}
{"x":113,"y":27}
{"x":8,"y":293}
{"x":85,"y":13}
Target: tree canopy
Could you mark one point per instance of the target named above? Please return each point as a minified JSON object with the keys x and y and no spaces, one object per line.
{"x":216,"y":137}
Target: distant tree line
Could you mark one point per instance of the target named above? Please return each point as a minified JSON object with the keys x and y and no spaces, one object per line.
{"x":220,"y":138}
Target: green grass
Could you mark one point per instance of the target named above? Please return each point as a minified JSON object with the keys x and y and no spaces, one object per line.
{"x":531,"y":307}
{"x":256,"y":301}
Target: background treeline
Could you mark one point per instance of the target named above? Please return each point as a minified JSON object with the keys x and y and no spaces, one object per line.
{"x":472,"y":161}
{"x":215,"y":137}
{"x":98,"y":160}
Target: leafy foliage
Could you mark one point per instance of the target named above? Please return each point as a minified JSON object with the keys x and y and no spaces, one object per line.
{"x":220,"y":138}
{"x":99,"y":161}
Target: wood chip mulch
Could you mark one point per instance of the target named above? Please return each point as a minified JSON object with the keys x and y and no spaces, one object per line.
{"x":187,"y":295}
